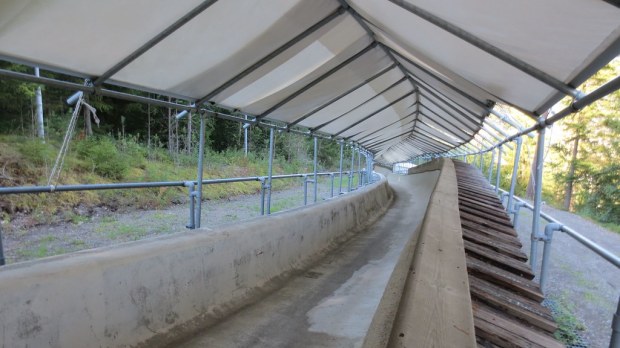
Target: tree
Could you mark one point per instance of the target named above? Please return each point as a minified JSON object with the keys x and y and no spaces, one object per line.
{"x":588,"y":157}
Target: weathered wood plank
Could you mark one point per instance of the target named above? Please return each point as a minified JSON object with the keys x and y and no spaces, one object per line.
{"x":487,"y":209}
{"x":504,"y":278}
{"x":491,"y":233}
{"x":523,"y":308}
{"x":483,"y":222}
{"x":487,"y":204}
{"x":502,"y":261}
{"x":493,"y":218}
{"x":495,"y":244}
{"x":438,"y":284}
{"x":507,"y":333}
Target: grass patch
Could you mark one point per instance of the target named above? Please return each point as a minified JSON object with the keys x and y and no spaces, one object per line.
{"x":568,"y":324}
{"x":284,"y":204}
{"x":105,"y":159}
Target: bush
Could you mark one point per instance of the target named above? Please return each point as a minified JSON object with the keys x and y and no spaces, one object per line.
{"x":37,"y":152}
{"x":104,"y":157}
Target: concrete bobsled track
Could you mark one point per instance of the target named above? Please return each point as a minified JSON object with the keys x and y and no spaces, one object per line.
{"x":323,"y":275}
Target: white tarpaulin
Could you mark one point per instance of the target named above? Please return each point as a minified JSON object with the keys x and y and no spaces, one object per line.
{"x":399,"y":78}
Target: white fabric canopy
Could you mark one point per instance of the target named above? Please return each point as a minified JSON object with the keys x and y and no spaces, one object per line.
{"x":389,"y":75}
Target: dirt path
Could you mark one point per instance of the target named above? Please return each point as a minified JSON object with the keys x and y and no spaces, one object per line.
{"x":107,"y":228}
{"x":579,"y":281}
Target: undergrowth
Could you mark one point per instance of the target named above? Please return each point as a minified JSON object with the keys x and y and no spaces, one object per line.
{"x":105,"y":159}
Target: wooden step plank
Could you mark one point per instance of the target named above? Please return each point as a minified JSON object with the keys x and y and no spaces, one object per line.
{"x":479,"y":193}
{"x":486,"y":209}
{"x":523,"y":308}
{"x":476,"y":185}
{"x":491,"y":232}
{"x":507,"y":333}
{"x":504,"y":278}
{"x":485,"y":191}
{"x":479,"y":186}
{"x":502,"y":261}
{"x":492,"y":205}
{"x":499,"y":220}
{"x":495,"y":244}
{"x":483,"y":222}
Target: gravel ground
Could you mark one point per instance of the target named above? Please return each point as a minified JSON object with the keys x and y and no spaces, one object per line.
{"x":103,"y":227}
{"x":577,"y":277}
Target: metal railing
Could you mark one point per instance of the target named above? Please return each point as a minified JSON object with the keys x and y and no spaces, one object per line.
{"x":265,"y":189}
{"x":547,"y":238}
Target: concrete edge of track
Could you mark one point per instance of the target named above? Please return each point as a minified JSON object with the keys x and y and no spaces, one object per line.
{"x":147,"y":293}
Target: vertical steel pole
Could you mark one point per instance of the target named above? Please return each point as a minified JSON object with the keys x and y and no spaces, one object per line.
{"x":316,"y":168}
{"x":2,"y":260}
{"x":491,"y":165}
{"x":201,"y":152}
{"x":515,"y":172}
{"x":305,"y":189}
{"x":245,"y":137}
{"x":331,"y":177}
{"x":340,"y":170}
{"x":614,"y":342}
{"x":351,"y":171}
{"x":499,"y":168}
{"x":481,"y":159}
{"x":359,"y":167}
{"x":540,"y":152}
{"x":262,"y":195}
{"x":191,"y":224}
{"x":270,"y":170}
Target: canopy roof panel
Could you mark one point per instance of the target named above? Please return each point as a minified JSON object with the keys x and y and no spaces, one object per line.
{"x":398,"y":77}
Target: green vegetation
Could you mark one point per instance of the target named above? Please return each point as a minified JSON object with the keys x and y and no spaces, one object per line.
{"x":568,"y":324}
{"x":582,"y":157}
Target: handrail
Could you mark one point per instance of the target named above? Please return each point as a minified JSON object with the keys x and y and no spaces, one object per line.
{"x":191,"y":184}
{"x":133,"y":185}
{"x":604,"y":253}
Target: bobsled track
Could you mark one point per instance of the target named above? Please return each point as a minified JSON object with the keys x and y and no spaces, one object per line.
{"x":425,"y":259}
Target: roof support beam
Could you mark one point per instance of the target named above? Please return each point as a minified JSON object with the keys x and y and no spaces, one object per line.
{"x":317,"y":80}
{"x":417,"y":141}
{"x":444,"y":129}
{"x":434,"y":139}
{"x":271,"y":55}
{"x":384,"y":127}
{"x":456,"y":89}
{"x":439,"y":95}
{"x":342,"y":95}
{"x":450,"y":123}
{"x":357,"y":106}
{"x":362,"y":22}
{"x":490,"y":49}
{"x":371,"y":145}
{"x":374,"y":113}
{"x":154,"y":41}
{"x":477,"y":120}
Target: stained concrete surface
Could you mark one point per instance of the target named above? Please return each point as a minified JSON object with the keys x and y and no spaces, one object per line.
{"x":333,"y":303}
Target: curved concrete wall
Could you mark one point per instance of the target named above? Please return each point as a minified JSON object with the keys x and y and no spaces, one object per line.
{"x":149,"y":293}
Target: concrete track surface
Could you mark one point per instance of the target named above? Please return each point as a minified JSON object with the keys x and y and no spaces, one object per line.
{"x":333,"y":303}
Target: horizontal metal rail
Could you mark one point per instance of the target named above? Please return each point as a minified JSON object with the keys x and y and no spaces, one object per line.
{"x":137,"y":185}
{"x":588,"y":243}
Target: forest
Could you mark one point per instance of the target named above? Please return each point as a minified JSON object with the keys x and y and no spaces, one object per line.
{"x":128,"y":141}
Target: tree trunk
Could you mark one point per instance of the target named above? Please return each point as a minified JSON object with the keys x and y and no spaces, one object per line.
{"x":529,"y":191}
{"x":568,"y":191}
